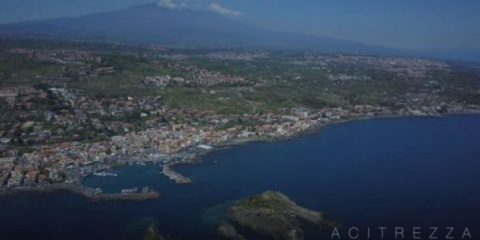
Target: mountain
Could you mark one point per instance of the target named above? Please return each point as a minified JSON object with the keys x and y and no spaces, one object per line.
{"x":151,"y":24}
{"x":177,"y":27}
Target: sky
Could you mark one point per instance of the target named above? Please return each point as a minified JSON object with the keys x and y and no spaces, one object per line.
{"x":406,"y":24}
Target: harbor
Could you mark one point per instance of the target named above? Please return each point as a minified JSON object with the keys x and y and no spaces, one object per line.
{"x":311,"y":169}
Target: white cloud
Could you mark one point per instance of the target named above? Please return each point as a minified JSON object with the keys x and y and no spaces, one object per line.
{"x":217,"y":8}
{"x":170,"y":4}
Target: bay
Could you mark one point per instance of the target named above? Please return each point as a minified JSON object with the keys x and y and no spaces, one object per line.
{"x":415,"y":171}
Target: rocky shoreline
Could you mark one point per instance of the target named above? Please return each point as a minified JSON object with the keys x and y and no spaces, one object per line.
{"x":312,"y":130}
{"x":270,"y":214}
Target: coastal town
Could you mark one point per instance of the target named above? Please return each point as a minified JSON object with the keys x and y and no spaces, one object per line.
{"x":55,"y":131}
{"x":239,"y":120}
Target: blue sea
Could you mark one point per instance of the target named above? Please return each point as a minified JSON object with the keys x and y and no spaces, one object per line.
{"x":409,"y":173}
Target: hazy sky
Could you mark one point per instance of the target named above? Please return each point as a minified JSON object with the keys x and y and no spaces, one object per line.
{"x":415,"y":24}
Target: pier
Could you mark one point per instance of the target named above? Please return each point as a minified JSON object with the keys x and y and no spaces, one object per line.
{"x":175,"y":176}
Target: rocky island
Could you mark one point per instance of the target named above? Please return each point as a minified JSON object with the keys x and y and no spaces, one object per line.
{"x":273,"y":215}
{"x":153,"y":234}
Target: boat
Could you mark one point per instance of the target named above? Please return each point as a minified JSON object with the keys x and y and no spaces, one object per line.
{"x":105,"y":174}
{"x":129,"y":190}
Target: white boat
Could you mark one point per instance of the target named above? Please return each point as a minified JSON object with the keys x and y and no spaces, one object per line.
{"x":205,"y":147}
{"x":105,"y":174}
{"x":129,"y":190}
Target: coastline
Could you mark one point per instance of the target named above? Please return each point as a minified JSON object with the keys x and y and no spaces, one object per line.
{"x":312,"y":130}
{"x":198,"y":157}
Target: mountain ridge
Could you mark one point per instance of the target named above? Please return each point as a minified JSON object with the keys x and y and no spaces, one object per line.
{"x":149,"y":23}
{"x":152,"y":24}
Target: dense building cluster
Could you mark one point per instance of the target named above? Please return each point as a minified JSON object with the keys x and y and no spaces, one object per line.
{"x":194,"y":77}
{"x":52,"y":132}
{"x":403,"y":67}
{"x":69,"y":161}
